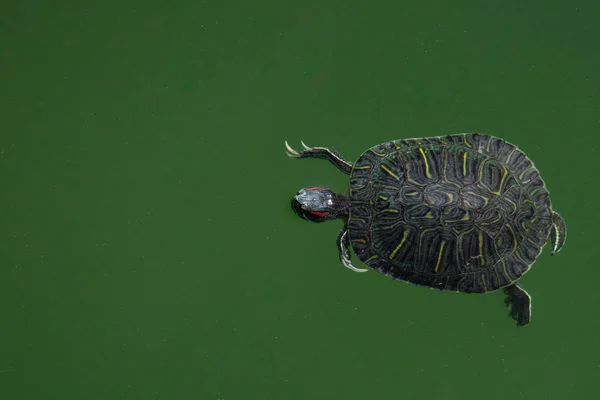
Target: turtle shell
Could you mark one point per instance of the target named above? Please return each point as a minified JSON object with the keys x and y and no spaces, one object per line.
{"x":465,"y":212}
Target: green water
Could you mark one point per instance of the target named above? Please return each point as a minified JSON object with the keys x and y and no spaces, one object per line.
{"x":148,"y":250}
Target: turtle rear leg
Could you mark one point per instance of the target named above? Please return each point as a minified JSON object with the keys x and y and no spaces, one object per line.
{"x":322,"y":153}
{"x":518,"y":302}
{"x":558,"y":234}
{"x":343,"y":244}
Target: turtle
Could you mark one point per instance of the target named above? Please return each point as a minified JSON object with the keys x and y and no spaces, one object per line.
{"x":463,"y":212}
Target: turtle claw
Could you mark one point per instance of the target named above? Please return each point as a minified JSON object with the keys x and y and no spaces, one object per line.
{"x":343,"y":244}
{"x":297,"y":154}
{"x":349,"y":265}
{"x":558,"y":234}
{"x":291,"y":152}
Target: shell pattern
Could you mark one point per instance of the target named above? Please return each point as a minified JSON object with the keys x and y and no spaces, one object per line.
{"x":465,"y":212}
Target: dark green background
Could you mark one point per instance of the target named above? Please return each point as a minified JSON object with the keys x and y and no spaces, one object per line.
{"x":147,"y":247}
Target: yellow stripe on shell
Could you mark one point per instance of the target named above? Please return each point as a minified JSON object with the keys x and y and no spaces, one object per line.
{"x":480,"y":240}
{"x":439,"y":259}
{"x":386,"y":169}
{"x":427,"y":172}
{"x":404,"y":236}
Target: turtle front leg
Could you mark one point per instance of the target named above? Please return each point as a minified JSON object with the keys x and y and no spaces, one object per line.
{"x":518,"y":302}
{"x":322,"y":153}
{"x":343,"y":243}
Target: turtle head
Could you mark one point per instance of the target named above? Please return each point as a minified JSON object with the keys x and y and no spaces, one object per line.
{"x":318,"y":204}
